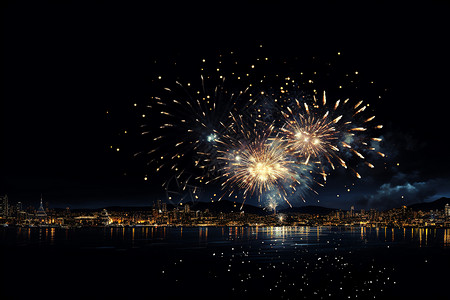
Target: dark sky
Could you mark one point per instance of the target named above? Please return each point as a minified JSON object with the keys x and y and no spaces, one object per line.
{"x":65,"y":64}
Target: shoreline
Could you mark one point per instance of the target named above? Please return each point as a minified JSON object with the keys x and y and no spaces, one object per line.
{"x":347,"y":226}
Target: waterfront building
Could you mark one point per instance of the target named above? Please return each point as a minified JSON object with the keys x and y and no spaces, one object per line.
{"x":86,"y":220}
{"x":19,"y":207}
{"x":447,"y":210}
{"x":4,"y":211}
{"x":105,"y":219}
{"x":158,"y":206}
{"x":41,"y":215}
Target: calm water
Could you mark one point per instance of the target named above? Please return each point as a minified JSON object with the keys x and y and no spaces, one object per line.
{"x":224,"y":262}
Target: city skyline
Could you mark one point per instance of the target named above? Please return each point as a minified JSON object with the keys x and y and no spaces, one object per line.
{"x":151,"y":202}
{"x":225,"y":213}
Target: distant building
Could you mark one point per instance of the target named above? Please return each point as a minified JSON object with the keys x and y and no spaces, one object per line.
{"x":20,"y":213}
{"x":41,"y":215}
{"x":87,"y":220}
{"x":4,"y":211}
{"x":158,"y":206}
{"x":19,"y":207}
{"x":104,"y":217}
{"x":447,"y":210}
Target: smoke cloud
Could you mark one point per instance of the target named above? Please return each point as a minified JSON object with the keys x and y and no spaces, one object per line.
{"x":403,"y":189}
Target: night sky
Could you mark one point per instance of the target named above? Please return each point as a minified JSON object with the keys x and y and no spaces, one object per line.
{"x":65,"y":64}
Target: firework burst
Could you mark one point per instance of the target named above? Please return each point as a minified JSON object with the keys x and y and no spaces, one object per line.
{"x":191,"y":117}
{"x":191,"y":124}
{"x":253,"y":134}
{"x":258,"y":167}
{"x":326,"y":133}
{"x":255,"y":163}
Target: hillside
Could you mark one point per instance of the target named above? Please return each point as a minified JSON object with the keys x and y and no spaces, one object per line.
{"x":309,"y":209}
{"x":226,"y":206}
{"x":427,"y":206}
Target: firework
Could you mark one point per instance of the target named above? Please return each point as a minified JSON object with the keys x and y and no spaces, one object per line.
{"x":258,"y":167}
{"x":327,"y":132}
{"x":255,"y":163}
{"x":191,"y":123}
{"x":249,"y":135}
{"x":194,"y":114}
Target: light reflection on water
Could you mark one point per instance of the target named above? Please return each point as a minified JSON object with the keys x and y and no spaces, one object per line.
{"x":202,"y":235}
{"x":243,"y":262}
